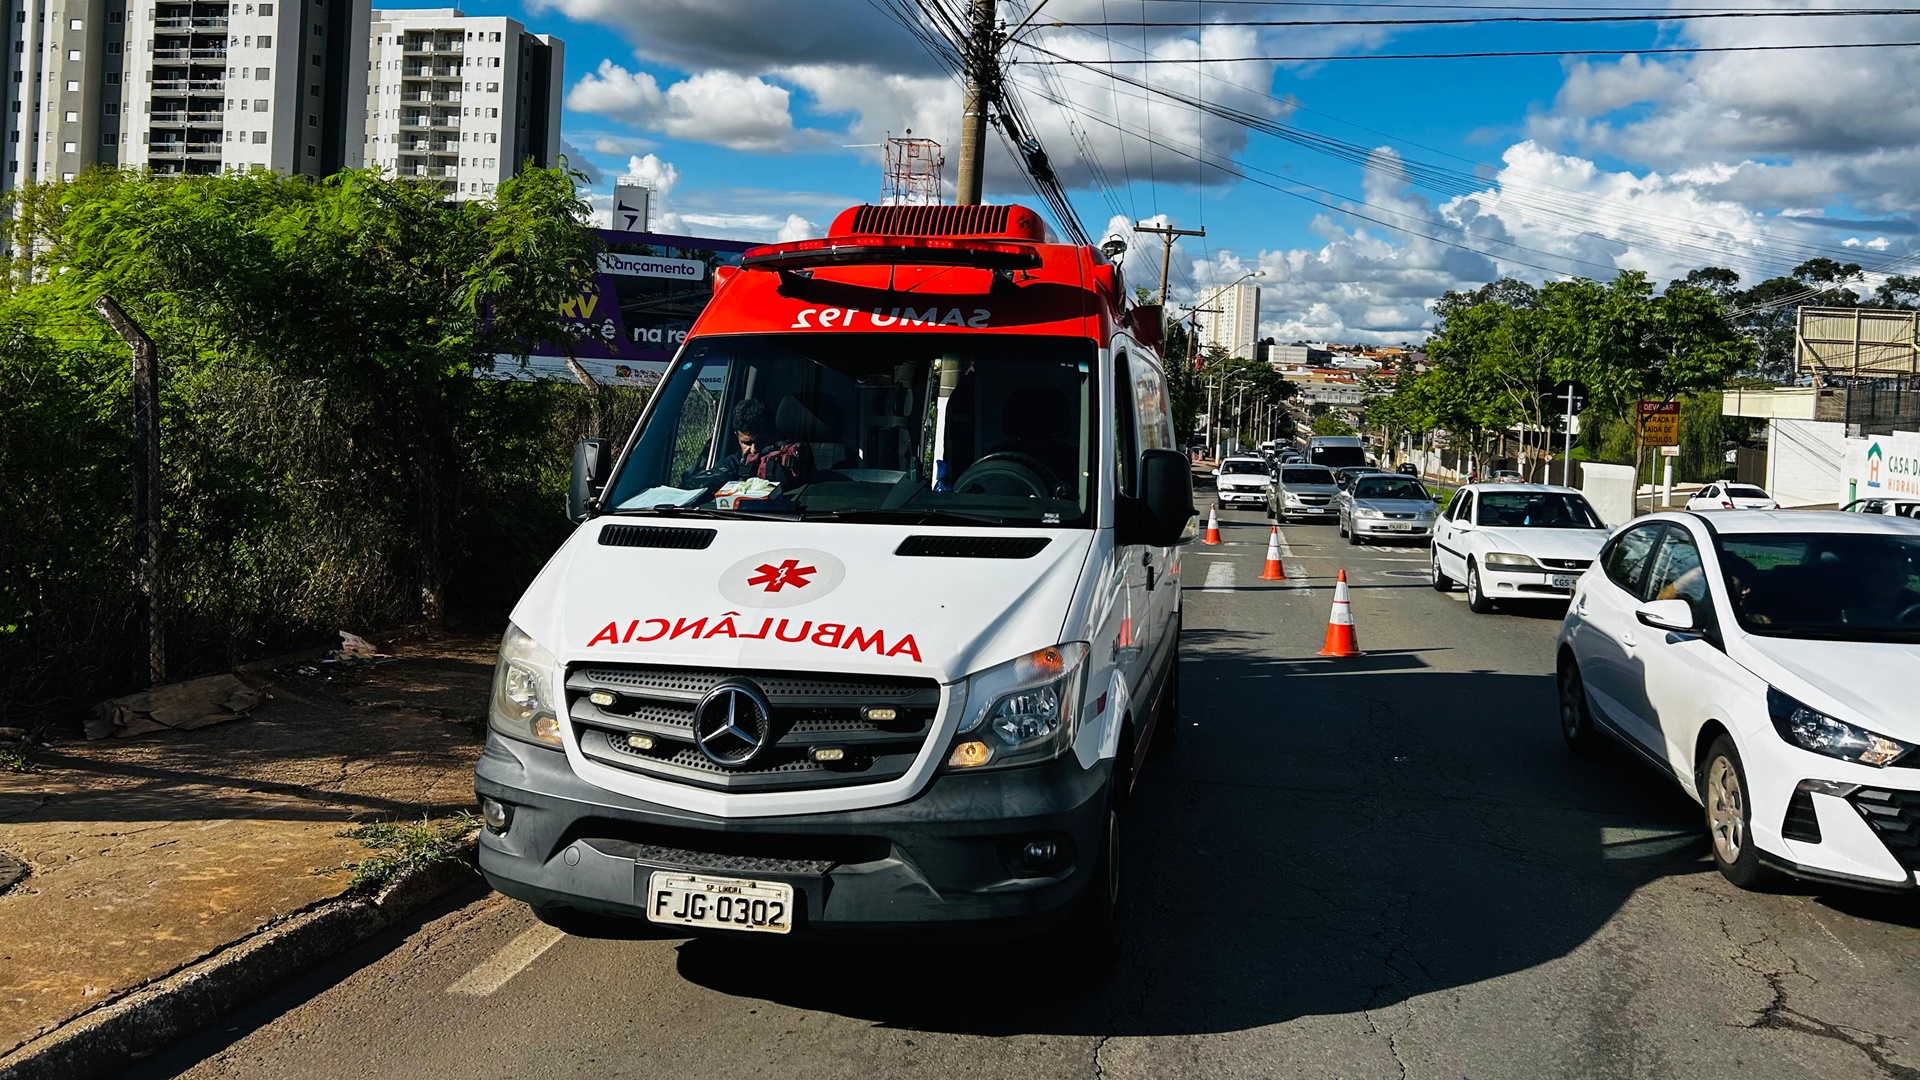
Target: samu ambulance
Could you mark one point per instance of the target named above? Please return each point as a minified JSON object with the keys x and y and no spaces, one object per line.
{"x":870,"y":624}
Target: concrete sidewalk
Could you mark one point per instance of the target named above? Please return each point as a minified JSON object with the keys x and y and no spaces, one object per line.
{"x":151,"y":854}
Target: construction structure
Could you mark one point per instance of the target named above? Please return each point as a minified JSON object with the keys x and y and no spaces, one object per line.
{"x":913,"y":172}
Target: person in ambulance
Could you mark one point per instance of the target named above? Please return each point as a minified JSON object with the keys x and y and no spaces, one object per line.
{"x":904,"y":673}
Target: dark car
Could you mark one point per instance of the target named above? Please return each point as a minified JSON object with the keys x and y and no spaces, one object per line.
{"x":1408,"y":468}
{"x":1344,"y":478}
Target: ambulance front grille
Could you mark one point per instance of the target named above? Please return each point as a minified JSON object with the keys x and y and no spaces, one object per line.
{"x":644,"y":722}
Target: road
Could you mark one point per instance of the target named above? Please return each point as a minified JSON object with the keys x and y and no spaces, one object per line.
{"x":1377,"y":867}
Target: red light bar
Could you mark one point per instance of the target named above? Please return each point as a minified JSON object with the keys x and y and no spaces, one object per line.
{"x":874,"y":250}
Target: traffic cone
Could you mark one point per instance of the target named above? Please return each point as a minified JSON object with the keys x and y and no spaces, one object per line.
{"x":1213,"y":525}
{"x":1275,"y":570}
{"x":1340,"y":638}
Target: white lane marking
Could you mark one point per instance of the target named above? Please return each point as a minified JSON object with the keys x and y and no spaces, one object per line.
{"x":511,"y":960}
{"x":1219,"y":578}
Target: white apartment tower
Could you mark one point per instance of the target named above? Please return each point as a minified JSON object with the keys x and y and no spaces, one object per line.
{"x":65,"y":61}
{"x":1236,"y":326}
{"x":271,"y":84}
{"x":465,"y":101}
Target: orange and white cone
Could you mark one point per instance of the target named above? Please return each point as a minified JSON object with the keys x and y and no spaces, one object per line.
{"x":1340,"y":639}
{"x":1213,"y":525}
{"x":1275,"y":570}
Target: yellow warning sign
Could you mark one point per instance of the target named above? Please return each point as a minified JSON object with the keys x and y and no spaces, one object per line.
{"x":1660,"y":423}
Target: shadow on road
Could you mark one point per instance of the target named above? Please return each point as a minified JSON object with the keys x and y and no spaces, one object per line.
{"x":1324,"y":844}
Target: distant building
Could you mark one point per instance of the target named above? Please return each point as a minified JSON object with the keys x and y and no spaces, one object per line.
{"x":1236,"y":326}
{"x":214,"y":87}
{"x":465,"y":101}
{"x":1296,"y":355}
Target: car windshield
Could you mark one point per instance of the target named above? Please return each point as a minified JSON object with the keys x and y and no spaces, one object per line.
{"x":949,"y":428}
{"x":1243,"y":468}
{"x":1844,"y":586}
{"x":1383,"y":487}
{"x":1742,"y":491}
{"x":1537,"y":510}
{"x":1306,"y":476}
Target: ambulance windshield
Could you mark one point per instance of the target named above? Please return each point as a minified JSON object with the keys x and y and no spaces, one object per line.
{"x":918,"y":428}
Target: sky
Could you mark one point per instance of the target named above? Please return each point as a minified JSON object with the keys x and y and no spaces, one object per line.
{"x":1366,"y":187}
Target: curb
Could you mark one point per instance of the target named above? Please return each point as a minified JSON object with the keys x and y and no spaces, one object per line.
{"x":113,"y":1036}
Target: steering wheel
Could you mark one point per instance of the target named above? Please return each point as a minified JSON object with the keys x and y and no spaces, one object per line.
{"x":995,"y":473}
{"x":1907,"y":613}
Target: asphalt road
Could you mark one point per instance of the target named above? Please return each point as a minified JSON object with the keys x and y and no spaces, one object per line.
{"x":1377,"y":867}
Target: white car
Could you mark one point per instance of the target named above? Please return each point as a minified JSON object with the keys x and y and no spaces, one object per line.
{"x":1242,"y":480}
{"x":1515,"y":542}
{"x":1906,"y":508}
{"x":1766,"y":662}
{"x":1725,"y":495}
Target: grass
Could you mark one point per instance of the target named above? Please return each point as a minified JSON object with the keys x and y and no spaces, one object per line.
{"x":14,"y":759}
{"x":1443,"y":496}
{"x":401,"y":848}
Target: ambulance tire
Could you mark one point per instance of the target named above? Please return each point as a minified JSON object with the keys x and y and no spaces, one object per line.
{"x":1096,"y":930}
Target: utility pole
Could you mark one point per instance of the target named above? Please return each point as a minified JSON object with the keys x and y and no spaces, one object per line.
{"x":1166,"y":233}
{"x":983,"y":69}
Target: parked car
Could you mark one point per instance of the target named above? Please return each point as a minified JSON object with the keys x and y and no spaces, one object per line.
{"x":1386,"y":506}
{"x":1242,"y":480}
{"x":1515,"y":542}
{"x":1893,"y":507}
{"x":1730,"y":496}
{"x":1764,"y":661}
{"x":1407,"y":468}
{"x":1508,"y":476}
{"x":1302,"y":493}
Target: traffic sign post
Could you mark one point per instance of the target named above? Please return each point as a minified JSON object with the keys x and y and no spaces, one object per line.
{"x":1667,"y":454}
{"x":1569,"y":397}
{"x":1659,"y":423}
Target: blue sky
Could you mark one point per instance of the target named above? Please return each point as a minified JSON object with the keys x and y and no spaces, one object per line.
{"x":741,"y":112}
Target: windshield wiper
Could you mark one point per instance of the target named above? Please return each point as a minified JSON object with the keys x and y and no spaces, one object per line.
{"x":670,"y":510}
{"x":906,"y":516}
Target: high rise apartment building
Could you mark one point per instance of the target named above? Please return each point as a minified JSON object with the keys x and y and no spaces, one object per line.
{"x":466,"y":101}
{"x":1236,"y":326}
{"x":302,"y":87}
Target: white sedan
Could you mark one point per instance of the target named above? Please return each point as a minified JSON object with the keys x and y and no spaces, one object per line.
{"x":1896,"y":507}
{"x":1765,"y":661}
{"x":1515,"y":542}
{"x":1724,"y":495}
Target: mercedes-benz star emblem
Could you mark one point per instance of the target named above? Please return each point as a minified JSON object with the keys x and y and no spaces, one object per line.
{"x":733,"y":723}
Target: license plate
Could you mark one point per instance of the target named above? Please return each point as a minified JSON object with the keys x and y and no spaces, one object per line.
{"x":1398,"y":526}
{"x":1563,"y":581}
{"x":718,"y":902}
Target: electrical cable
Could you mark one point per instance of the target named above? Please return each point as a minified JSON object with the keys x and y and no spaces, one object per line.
{"x":1508,"y":54}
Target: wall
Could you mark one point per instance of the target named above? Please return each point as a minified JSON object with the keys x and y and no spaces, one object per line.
{"x":1610,"y":489}
{"x":1806,"y":461}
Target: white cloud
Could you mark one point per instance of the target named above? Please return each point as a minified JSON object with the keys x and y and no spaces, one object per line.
{"x":735,"y":111}
{"x":580,"y":161}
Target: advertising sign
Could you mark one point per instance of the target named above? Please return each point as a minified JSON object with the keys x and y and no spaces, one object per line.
{"x":647,"y":292}
{"x":1660,"y":423}
{"x":1892,"y":465}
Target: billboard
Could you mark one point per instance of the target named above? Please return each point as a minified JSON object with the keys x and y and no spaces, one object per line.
{"x":647,"y":291}
{"x":1859,"y":342}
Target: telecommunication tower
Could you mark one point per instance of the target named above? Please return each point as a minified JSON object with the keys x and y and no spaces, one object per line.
{"x":913,"y":172}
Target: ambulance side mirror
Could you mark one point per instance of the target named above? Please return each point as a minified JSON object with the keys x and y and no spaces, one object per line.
{"x":1158,"y":516}
{"x":592,"y":461}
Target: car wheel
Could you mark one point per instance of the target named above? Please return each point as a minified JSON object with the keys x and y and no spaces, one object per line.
{"x":1723,"y":791}
{"x":1097,"y":927}
{"x":1477,"y":601}
{"x":1576,"y":721}
{"x":1269,"y":511}
{"x":1441,"y":582}
{"x":1342,"y":523}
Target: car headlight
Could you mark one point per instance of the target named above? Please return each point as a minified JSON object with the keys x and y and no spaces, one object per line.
{"x":1292,"y":499}
{"x":523,"y":704}
{"x":1507,"y":558}
{"x":1021,"y":712}
{"x":1361,"y":511}
{"x":1810,"y":729}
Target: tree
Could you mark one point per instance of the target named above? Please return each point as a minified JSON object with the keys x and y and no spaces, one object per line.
{"x":1898,"y":291}
{"x":1329,"y":424}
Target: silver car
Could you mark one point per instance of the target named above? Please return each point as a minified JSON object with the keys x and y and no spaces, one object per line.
{"x":1387,"y":507}
{"x":1302,"y":493}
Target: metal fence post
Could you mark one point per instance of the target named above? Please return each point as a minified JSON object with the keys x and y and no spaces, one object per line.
{"x":146,"y":489}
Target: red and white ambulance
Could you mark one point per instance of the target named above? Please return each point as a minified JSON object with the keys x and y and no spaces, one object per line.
{"x":871,"y":623}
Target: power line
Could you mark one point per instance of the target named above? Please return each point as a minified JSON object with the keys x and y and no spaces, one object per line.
{"x":1556,"y":19}
{"x":1505,"y":54}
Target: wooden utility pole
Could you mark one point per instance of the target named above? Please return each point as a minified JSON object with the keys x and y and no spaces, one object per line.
{"x":1166,"y":233}
{"x":982,"y":82}
{"x":146,"y":488}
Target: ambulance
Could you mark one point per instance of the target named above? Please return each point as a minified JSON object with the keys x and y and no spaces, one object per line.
{"x":871,"y":625}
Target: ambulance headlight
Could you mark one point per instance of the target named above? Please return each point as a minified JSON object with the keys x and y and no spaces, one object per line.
{"x":1021,"y":712}
{"x":522,"y":705}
